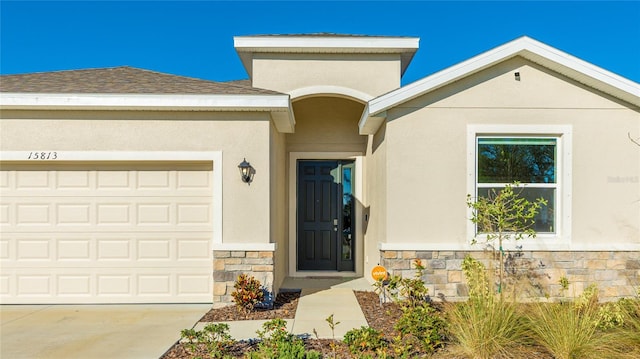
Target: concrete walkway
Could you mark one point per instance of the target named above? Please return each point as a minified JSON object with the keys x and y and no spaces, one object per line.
{"x":319,"y":298}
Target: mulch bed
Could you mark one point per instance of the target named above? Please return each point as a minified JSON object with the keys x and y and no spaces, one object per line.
{"x":284,"y":307}
{"x":380,"y":316}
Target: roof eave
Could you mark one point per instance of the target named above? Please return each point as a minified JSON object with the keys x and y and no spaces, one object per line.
{"x":279,"y":106}
{"x":532,"y":50}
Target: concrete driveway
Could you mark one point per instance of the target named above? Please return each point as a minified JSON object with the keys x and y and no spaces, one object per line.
{"x":94,"y":331}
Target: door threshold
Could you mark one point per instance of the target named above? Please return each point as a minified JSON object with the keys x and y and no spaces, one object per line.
{"x":299,"y":283}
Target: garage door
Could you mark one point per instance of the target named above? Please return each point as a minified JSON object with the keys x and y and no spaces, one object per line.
{"x":106,"y":233}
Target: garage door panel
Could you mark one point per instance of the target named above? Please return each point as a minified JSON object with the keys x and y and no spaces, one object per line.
{"x":75,"y":214}
{"x":104,"y":250}
{"x":124,"y":285}
{"x":80,"y":180}
{"x":32,"y":180}
{"x":74,"y":285}
{"x":118,"y":234}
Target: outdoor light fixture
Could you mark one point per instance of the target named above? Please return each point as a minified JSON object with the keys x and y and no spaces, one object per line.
{"x":246,"y":171}
{"x":517,"y":74}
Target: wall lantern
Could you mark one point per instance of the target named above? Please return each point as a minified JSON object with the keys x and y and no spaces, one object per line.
{"x":517,"y":76}
{"x":246,"y":171}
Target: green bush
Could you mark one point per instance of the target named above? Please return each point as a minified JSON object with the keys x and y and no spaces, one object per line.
{"x":423,"y":327}
{"x":365,"y":339}
{"x":277,"y":343}
{"x":214,"y":337}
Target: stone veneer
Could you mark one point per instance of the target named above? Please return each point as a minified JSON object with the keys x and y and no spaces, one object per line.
{"x":228,"y":265}
{"x":617,"y":273}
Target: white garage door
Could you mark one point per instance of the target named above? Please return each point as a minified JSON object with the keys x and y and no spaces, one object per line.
{"x":106,"y":233}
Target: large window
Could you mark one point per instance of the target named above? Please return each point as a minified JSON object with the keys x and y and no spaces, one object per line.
{"x":536,"y":156}
{"x":532,"y":161}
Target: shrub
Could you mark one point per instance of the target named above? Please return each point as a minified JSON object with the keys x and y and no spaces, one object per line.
{"x":365,"y":339}
{"x":248,"y":292}
{"x":214,"y":337}
{"x":277,"y":343}
{"x":421,"y":326}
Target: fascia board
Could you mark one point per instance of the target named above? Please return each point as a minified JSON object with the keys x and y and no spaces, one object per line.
{"x":600,"y":78}
{"x":168,"y":102}
{"x":526,"y":47}
{"x":325,"y":44}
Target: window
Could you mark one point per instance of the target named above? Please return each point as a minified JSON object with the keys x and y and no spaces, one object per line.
{"x":539,"y":158}
{"x":531,"y":161}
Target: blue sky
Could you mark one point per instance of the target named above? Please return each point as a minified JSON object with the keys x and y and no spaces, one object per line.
{"x":196,"y":38}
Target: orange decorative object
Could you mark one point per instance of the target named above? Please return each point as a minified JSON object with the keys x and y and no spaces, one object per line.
{"x":379,"y":273}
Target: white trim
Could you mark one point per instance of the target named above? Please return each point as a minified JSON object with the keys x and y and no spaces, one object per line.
{"x":214,"y":156}
{"x":167,"y":102}
{"x":527,"y":245}
{"x":526,"y":47}
{"x":564,"y":146}
{"x":270,"y":247}
{"x":293,"y":190}
{"x":327,"y":44}
{"x":330,"y":90}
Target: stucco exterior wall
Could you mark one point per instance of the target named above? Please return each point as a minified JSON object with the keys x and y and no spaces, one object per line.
{"x":426,"y":200}
{"x":237,"y":135}
{"x":376,"y":198}
{"x":289,"y":72}
{"x":279,"y":234}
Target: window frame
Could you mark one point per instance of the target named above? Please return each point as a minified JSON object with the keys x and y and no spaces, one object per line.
{"x":561,"y":239}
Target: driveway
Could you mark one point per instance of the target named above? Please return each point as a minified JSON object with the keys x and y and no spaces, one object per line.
{"x":94,"y":331}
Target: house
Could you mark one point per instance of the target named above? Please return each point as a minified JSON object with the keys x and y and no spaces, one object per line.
{"x":122,"y":185}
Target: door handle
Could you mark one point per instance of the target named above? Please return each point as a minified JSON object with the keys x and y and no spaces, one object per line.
{"x":335,"y":224}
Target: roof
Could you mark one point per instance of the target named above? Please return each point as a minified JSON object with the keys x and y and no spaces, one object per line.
{"x":132,"y":89}
{"x":121,"y":80}
{"x":326,"y":43}
{"x":581,"y":71}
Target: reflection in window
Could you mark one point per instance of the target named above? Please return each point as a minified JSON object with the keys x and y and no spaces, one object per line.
{"x":347,"y":213}
{"x":530,"y":161}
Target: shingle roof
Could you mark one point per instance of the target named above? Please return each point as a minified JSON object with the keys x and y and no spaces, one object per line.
{"x":122,"y":80}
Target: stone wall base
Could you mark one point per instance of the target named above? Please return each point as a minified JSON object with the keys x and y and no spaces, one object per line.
{"x":228,"y":265}
{"x":616,"y":273}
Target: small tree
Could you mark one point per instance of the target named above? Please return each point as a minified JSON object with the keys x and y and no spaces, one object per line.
{"x":504,"y":215}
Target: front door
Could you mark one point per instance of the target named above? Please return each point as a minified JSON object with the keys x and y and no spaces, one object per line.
{"x":325,"y":215}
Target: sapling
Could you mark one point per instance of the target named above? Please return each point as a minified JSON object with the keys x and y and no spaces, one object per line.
{"x":503,"y":215}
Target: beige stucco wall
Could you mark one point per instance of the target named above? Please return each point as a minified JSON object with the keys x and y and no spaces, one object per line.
{"x":426,"y":201}
{"x":278,"y":203}
{"x":289,"y":72}
{"x":376,"y":198}
{"x":238,"y":135}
